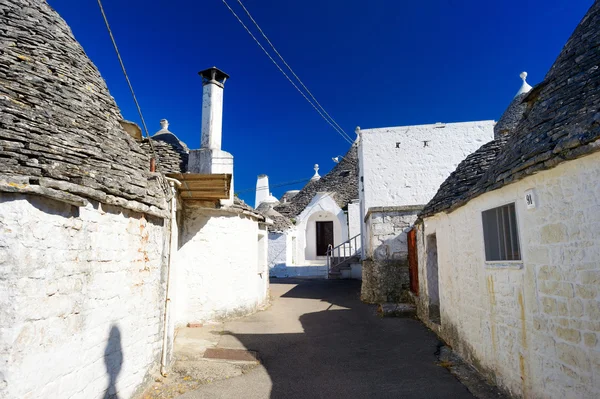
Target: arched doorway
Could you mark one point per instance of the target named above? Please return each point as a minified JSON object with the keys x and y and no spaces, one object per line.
{"x":323,"y":228}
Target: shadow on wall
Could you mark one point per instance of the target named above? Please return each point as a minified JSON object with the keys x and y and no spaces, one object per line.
{"x":113,"y":360}
{"x":346,"y":351}
{"x":46,"y":205}
{"x":192,"y":222}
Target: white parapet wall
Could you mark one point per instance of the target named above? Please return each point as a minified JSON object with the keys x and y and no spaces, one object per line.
{"x":81,"y":298}
{"x":385,"y":268}
{"x":278,"y":249}
{"x":405,"y":165}
{"x":220,"y":272}
{"x":354,"y":221}
{"x":533,"y":325}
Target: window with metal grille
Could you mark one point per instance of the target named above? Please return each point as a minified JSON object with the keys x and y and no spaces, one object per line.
{"x":500,"y":234}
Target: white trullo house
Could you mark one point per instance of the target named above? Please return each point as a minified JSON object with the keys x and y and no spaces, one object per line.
{"x":102,"y":258}
{"x":509,"y":247}
{"x":306,"y":223}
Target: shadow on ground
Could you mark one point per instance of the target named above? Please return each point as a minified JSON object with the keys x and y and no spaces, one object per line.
{"x":346,"y":351}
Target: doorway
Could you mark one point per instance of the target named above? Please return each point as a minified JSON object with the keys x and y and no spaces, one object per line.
{"x":433,"y":285}
{"x":324,"y":237}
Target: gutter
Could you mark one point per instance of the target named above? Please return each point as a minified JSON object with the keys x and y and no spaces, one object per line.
{"x":173,"y":223}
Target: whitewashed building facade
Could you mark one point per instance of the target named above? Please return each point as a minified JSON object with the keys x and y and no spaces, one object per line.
{"x":309,"y":221}
{"x":401,"y":168}
{"x":100,"y":256}
{"x":509,"y":248}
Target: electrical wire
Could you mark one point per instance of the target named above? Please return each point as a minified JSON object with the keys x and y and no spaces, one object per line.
{"x":291,"y":70}
{"x":283,"y":72}
{"x":112,"y":38}
{"x":289,"y":183}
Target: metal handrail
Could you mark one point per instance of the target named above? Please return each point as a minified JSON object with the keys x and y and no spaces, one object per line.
{"x":331,"y":251}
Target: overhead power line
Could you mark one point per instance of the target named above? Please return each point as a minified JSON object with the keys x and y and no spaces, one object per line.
{"x":137,"y":104}
{"x":289,"y":183}
{"x":339,"y":131}
{"x":339,"y":128}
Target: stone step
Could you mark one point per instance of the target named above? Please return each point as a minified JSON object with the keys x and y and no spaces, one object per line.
{"x":397,"y":310}
{"x":333,"y":275}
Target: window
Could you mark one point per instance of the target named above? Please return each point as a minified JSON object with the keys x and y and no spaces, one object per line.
{"x":500,"y":234}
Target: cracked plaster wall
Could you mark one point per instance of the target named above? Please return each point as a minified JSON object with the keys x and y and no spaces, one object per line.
{"x":70,"y":277}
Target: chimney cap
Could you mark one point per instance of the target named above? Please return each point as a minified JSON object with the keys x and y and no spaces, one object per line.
{"x":213,"y":75}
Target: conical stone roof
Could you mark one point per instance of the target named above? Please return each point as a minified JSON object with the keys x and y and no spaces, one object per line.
{"x":342,"y":181}
{"x":560,"y":122}
{"x":59,"y":127}
{"x":172,"y":153}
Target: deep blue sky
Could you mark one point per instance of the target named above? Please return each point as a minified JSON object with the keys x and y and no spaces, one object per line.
{"x":369,"y":63}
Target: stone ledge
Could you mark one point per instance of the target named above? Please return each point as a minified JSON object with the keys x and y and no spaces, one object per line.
{"x":404,"y":208}
{"x":72,"y":194}
{"x":504,"y":265}
{"x":236,"y":210}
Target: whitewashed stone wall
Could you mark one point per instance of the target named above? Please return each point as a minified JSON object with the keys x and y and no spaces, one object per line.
{"x":405,"y":165}
{"x":81,"y":298}
{"x":278,"y":254}
{"x":218,"y":272}
{"x":535,"y":324}
{"x":388,"y":227}
{"x":354,"y":221}
{"x":385,"y":270}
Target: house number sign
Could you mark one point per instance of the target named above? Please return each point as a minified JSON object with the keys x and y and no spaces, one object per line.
{"x":530,"y":199}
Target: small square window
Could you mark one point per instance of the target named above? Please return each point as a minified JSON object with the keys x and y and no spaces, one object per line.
{"x":500,"y":234}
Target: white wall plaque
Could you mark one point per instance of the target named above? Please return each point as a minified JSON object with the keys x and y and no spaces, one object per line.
{"x":530,"y":198}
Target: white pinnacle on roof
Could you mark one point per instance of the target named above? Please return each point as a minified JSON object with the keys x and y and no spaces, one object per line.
{"x":316,"y":176}
{"x":271,"y":199}
{"x":164,"y":127}
{"x":525,"y":87}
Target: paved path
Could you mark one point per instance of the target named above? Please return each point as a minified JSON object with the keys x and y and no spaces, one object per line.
{"x":318,"y":340}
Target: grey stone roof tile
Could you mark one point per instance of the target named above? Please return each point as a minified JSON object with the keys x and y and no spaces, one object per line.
{"x":59,"y":124}
{"x":172,"y":154}
{"x":342,"y":180}
{"x":511,"y":117}
{"x":280,"y":222}
{"x":561,"y":122}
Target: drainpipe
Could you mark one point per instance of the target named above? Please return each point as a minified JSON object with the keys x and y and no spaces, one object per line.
{"x":173,"y":221}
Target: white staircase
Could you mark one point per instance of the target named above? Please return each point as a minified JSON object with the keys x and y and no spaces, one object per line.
{"x":341,"y":257}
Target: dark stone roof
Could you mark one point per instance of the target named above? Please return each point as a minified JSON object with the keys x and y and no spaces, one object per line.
{"x":59,"y":125}
{"x":238,"y":202}
{"x":561,"y":123}
{"x":263,"y":207}
{"x":241,"y":207}
{"x":511,"y":117}
{"x":342,"y":180}
{"x":171,"y":152}
{"x":280,"y":222}
{"x":170,"y":138}
{"x":467,"y":174}
{"x":288,"y":195}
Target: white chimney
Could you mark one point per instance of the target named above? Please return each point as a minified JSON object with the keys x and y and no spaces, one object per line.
{"x":262,"y":190}
{"x":213,"y":81}
{"x":210,"y":159}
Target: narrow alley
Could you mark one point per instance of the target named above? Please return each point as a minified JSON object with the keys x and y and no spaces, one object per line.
{"x":317,"y":340}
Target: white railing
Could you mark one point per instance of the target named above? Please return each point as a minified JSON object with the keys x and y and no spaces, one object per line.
{"x":344,"y":251}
